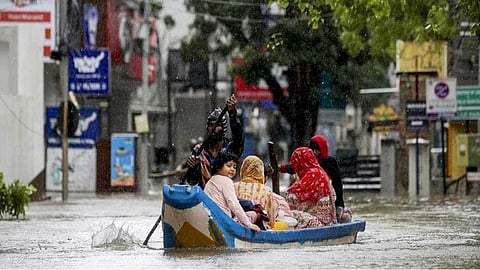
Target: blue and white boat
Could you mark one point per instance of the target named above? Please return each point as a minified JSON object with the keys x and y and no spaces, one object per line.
{"x":191,"y":219}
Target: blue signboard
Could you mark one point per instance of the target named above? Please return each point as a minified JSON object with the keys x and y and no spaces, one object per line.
{"x":88,"y":72}
{"x":86,"y":134}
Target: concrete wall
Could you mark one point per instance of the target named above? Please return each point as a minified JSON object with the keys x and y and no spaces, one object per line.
{"x":22,"y":153}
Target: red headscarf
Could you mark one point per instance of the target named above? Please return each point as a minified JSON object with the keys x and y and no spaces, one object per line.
{"x":313,"y":182}
{"x":322,"y":145}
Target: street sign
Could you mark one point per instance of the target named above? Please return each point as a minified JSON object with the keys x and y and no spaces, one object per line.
{"x":441,"y":98}
{"x":468,"y":101}
{"x":416,"y":115}
{"x":89,"y":71}
{"x":86,"y":134}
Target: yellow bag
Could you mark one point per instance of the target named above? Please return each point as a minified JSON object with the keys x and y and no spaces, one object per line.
{"x":280,"y":226}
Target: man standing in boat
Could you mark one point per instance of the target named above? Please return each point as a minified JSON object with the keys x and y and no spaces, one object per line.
{"x":199,"y":163}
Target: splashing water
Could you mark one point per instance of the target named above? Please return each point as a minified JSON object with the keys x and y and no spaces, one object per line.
{"x":114,"y":237}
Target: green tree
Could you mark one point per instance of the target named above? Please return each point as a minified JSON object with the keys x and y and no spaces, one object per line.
{"x":375,"y":25}
{"x":288,"y":41}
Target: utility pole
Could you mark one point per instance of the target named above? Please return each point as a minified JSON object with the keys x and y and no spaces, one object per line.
{"x":61,"y":7}
{"x":169,"y":112}
{"x":143,"y":151}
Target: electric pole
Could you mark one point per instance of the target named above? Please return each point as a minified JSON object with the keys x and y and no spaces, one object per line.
{"x":143,"y":151}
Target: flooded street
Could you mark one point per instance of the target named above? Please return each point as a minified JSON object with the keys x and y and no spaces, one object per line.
{"x":436,"y":234}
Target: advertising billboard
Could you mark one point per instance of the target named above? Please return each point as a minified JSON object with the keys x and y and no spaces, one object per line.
{"x":89,"y":72}
{"x":420,"y":57}
{"x":38,"y":12}
{"x":123,"y":160}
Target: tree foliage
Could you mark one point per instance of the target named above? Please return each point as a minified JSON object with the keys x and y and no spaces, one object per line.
{"x":246,"y":27}
{"x":375,"y":25}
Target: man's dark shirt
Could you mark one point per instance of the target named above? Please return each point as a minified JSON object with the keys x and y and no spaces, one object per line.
{"x":235,"y":145}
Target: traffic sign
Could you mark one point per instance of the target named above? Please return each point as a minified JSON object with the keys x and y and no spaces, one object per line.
{"x":416,"y":115}
{"x":468,"y":101}
{"x":441,"y":98}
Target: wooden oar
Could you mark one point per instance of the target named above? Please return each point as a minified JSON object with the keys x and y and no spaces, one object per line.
{"x":274,"y":164}
{"x":152,"y":230}
{"x":167,"y":173}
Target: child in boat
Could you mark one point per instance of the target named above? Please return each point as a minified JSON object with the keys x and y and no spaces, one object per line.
{"x":221,"y":190}
{"x":311,"y":197}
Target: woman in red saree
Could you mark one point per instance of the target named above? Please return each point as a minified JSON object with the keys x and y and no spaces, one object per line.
{"x":311,"y":197}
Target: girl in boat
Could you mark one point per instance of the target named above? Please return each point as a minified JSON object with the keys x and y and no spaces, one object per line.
{"x":221,"y":190}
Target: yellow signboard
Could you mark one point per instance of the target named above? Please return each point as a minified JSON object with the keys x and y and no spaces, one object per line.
{"x":426,"y":56}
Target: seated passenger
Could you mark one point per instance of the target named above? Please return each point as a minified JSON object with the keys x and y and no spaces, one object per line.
{"x":252,"y":187}
{"x":329,"y":164}
{"x":311,"y":197}
{"x":220,"y":189}
{"x":319,"y":145}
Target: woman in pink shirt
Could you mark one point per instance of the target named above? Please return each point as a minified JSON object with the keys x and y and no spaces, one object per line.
{"x":221,"y":190}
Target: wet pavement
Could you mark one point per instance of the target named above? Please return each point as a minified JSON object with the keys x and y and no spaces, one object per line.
{"x":440,"y":233}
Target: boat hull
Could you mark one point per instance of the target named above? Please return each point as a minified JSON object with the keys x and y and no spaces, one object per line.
{"x":191,"y":219}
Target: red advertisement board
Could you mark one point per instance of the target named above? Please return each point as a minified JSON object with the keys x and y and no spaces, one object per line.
{"x":244,"y":91}
{"x":124,"y":20}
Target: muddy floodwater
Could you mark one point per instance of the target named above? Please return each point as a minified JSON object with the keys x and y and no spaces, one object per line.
{"x":440,"y":233}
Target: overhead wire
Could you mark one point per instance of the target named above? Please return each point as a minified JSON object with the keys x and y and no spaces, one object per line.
{"x":228,"y":18}
{"x":18,"y":118}
{"x":232,"y":3}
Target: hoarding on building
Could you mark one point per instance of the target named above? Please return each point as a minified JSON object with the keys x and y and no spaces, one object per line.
{"x":86,"y":134}
{"x":421,"y":57}
{"x":82,"y":152}
{"x":244,"y":91}
{"x":89,"y":72}
{"x":32,"y":12}
{"x":82,"y":171}
{"x":125,"y":42}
